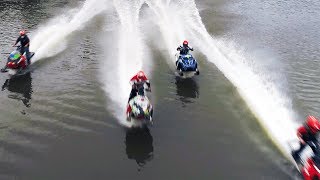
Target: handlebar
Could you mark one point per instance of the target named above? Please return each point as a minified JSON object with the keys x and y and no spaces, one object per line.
{"x":19,"y":46}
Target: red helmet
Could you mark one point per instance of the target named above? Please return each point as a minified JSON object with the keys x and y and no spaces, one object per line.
{"x":313,"y":124}
{"x":185,"y":43}
{"x":22,"y":33}
{"x":140,"y":75}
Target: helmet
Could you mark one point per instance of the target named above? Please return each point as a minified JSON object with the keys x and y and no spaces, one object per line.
{"x":140,"y":75}
{"x":22,"y":32}
{"x":185,"y":43}
{"x":313,"y":124}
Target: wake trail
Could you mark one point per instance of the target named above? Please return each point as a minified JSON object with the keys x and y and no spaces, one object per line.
{"x":51,"y":39}
{"x":171,"y":27}
{"x":132,"y":56}
{"x":181,"y":19}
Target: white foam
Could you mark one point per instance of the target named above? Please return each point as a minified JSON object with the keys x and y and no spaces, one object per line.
{"x":51,"y":38}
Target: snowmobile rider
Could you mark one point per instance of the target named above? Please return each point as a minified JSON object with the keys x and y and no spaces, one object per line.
{"x":307,"y":136}
{"x":24,"y":42}
{"x":184,"y":49}
{"x":138,"y":81}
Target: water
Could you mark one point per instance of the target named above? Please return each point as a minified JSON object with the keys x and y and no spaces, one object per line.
{"x":240,"y":70}
{"x":64,"y":120}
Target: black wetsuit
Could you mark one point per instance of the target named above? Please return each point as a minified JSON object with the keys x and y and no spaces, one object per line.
{"x":135,"y":89}
{"x":24,"y":41}
{"x":310,"y":139}
{"x":184,"y":49}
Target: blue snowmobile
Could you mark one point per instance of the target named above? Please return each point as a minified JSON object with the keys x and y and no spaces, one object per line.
{"x":187,"y":65}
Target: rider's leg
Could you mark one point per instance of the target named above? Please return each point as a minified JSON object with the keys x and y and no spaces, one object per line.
{"x":296,"y":153}
{"x":27,"y":54}
{"x":314,"y":145}
{"x":133,"y":93}
{"x":22,"y":50}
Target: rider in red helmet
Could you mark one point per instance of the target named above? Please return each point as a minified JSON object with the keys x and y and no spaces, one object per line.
{"x":24,"y":42}
{"x":184,"y":49}
{"x":137,"y":81}
{"x":307,"y":136}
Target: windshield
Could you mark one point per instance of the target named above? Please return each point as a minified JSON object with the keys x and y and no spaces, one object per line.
{"x":187,"y":57}
{"x":15,"y":55}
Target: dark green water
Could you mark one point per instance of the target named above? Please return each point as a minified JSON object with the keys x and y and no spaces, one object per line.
{"x":54,"y":121}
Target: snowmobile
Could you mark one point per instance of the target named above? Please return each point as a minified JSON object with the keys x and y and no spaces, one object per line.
{"x":309,"y":166}
{"x":186,"y":65}
{"x":16,"y":62}
{"x":139,"y":109}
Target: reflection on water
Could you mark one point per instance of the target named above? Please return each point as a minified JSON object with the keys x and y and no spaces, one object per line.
{"x":186,"y":89}
{"x":21,"y":88}
{"x":139,"y":145}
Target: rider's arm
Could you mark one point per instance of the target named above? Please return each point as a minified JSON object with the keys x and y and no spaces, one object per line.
{"x":300,"y":133}
{"x":132,"y":82}
{"x":190,"y":48}
{"x":146,"y":80}
{"x":148,"y":84}
{"x":28,"y":40}
{"x":17,"y":41}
